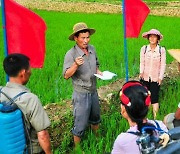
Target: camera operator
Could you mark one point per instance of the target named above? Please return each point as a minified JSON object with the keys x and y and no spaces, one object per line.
{"x":135,"y":101}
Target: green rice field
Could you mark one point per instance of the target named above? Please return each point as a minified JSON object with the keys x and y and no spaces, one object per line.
{"x":108,"y":41}
{"x":49,"y":84}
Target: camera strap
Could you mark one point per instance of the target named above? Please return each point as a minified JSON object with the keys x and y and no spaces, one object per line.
{"x":134,"y":133}
{"x":139,"y":134}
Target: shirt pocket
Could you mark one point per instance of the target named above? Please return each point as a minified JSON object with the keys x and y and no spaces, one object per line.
{"x":148,"y":56}
{"x":156,"y":57}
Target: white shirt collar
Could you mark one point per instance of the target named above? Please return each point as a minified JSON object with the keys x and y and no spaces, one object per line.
{"x":156,"y":49}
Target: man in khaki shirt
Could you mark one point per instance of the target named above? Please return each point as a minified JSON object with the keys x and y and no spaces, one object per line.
{"x":18,"y":69}
{"x":80,"y":64}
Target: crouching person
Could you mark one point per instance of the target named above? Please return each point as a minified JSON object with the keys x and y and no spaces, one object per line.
{"x":173,"y":119}
{"x":18,"y":69}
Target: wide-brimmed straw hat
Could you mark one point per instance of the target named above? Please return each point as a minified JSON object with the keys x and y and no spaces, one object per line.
{"x":78,"y":27}
{"x":152,"y":31}
{"x":175,"y":53}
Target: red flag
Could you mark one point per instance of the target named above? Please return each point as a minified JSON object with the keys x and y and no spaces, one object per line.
{"x":136,"y":12}
{"x":25,"y":33}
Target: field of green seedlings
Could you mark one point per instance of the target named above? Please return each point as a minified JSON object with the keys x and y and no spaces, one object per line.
{"x":48,"y":82}
{"x":49,"y":85}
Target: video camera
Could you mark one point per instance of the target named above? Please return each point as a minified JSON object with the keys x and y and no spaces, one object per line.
{"x":149,"y":144}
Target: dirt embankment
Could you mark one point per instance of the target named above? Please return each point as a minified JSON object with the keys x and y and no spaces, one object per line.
{"x":157,"y":8}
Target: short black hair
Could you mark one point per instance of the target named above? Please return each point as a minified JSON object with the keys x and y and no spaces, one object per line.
{"x":81,"y":31}
{"x":155,"y":34}
{"x":14,"y":63}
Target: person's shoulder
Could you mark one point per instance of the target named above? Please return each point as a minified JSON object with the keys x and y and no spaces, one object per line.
{"x":145,"y":45}
{"x":120,"y":138}
{"x":125,"y":138}
{"x":153,"y":121}
{"x":161,"y":124}
{"x":163,"y":49}
{"x":123,"y":135}
{"x":70,"y":52}
{"x":143,"y":48}
{"x":91,"y":47}
{"x":31,"y":97}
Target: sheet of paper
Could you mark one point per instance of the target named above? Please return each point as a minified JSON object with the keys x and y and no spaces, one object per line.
{"x":106,"y":75}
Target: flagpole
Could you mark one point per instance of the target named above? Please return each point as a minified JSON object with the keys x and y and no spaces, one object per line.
{"x":4,"y":32}
{"x":125,"y":41}
{"x":4,"y":28}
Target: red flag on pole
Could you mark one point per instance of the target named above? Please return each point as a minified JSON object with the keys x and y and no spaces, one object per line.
{"x":25,"y":33}
{"x":136,"y":12}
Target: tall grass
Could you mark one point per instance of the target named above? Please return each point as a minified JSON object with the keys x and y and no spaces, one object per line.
{"x":48,"y":82}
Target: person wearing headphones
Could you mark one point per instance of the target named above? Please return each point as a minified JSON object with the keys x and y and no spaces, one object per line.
{"x":135,"y":100}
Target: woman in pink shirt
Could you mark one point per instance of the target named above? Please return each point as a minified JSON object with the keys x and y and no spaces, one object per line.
{"x":135,"y":100}
{"x":152,"y":66}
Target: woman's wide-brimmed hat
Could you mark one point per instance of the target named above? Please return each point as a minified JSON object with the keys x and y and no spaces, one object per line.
{"x":175,"y":53}
{"x":152,"y":31}
{"x":79,"y":27}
